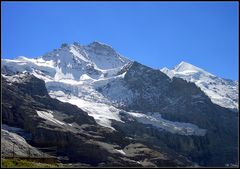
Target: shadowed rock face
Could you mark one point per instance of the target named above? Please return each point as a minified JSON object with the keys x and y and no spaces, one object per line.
{"x":179,"y":101}
{"x":223,"y":92}
{"x":182,"y":101}
{"x":21,"y":100}
{"x":155,"y":91}
{"x":83,"y":141}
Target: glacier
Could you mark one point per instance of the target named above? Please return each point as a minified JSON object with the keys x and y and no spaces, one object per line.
{"x":80,"y":75}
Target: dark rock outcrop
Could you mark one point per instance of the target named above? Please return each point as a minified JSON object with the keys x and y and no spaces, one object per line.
{"x":182,"y":101}
{"x":179,"y":101}
{"x":82,"y":142}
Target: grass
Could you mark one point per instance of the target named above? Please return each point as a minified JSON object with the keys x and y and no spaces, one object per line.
{"x":11,"y":163}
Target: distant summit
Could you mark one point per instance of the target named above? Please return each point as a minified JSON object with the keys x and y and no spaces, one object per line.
{"x":221,"y":91}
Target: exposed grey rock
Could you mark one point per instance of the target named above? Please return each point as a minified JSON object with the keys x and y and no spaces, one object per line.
{"x":84,"y":141}
{"x":14,"y":145}
{"x":178,"y":100}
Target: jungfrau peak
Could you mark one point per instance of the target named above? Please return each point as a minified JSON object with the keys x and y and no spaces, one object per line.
{"x":102,"y":109}
{"x":74,"y":71}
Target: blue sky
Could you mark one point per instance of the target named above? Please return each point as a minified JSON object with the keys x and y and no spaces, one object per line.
{"x":156,"y":34}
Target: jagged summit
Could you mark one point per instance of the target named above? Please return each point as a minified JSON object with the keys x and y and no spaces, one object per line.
{"x":98,"y":54}
{"x":97,"y":43}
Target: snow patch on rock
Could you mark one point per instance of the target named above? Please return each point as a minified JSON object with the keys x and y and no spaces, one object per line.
{"x":156,"y":120}
{"x":48,"y":115}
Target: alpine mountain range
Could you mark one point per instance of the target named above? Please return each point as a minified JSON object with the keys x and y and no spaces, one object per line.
{"x":100,"y":109}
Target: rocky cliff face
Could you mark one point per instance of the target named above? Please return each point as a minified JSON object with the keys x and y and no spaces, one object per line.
{"x":178,"y":100}
{"x":74,"y":133}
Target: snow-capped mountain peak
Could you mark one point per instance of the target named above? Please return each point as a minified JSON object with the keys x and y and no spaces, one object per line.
{"x":97,"y":44}
{"x":187,"y":68}
{"x":183,"y":66}
{"x":104,"y":56}
{"x":96,"y":53}
{"x":221,"y":91}
{"x":76,"y":69}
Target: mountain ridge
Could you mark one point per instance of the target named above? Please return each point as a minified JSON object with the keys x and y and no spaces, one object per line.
{"x":128,"y":97}
{"x":223,"y":92}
